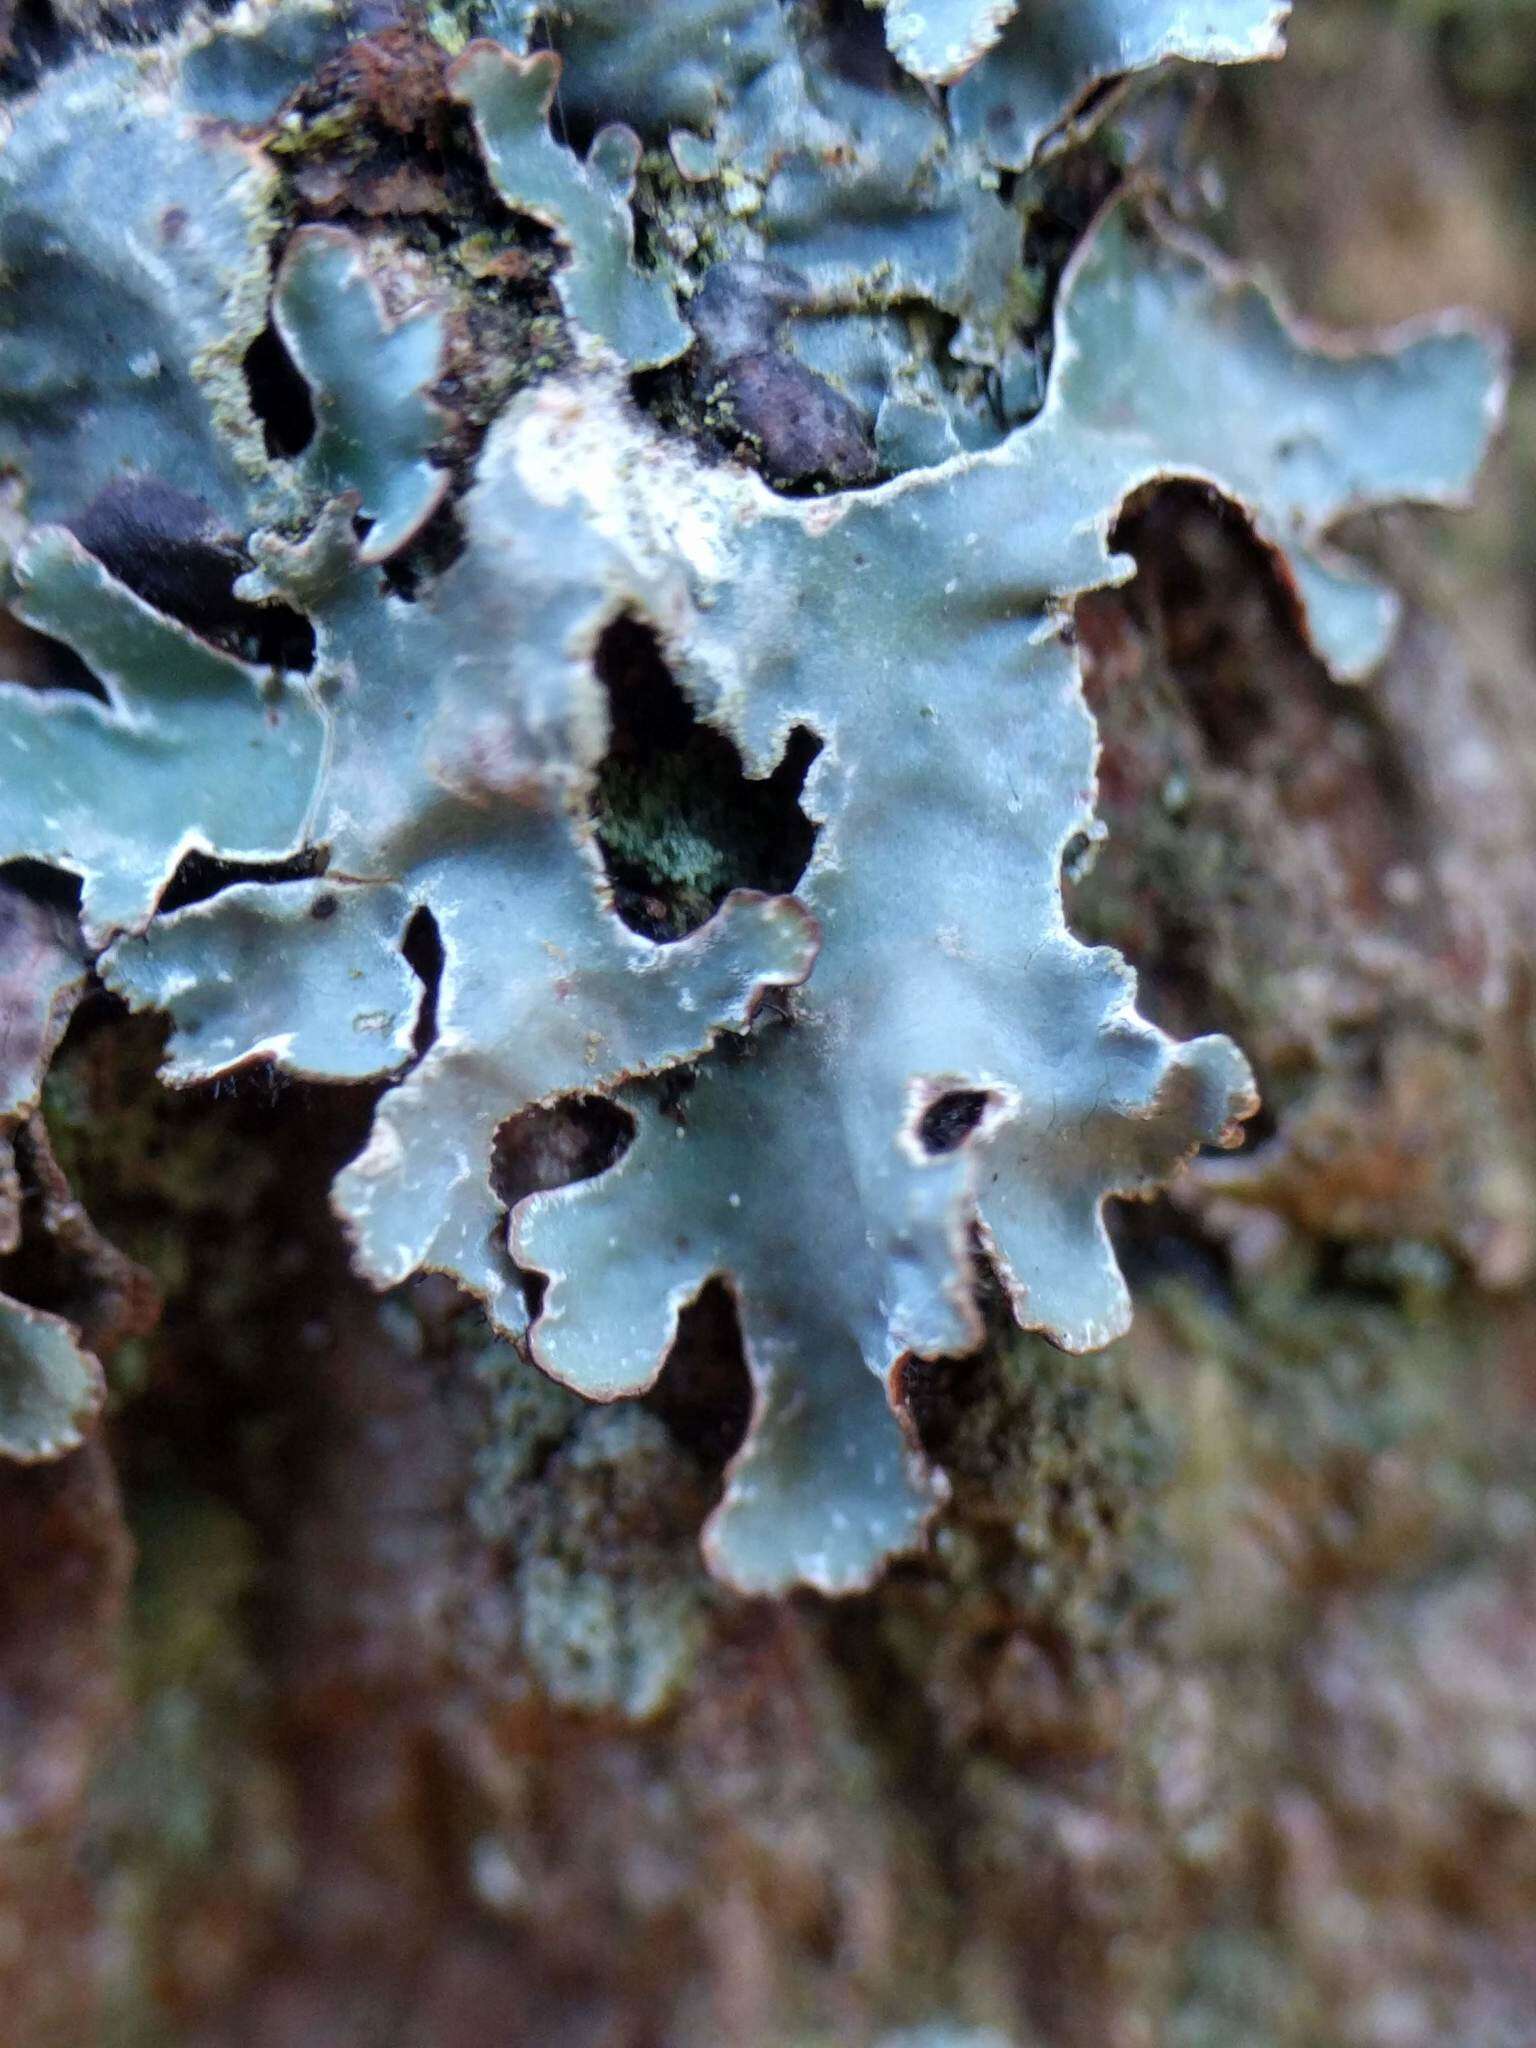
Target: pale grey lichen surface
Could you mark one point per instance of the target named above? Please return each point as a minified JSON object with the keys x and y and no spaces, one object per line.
{"x":1045,"y":75}
{"x":587,"y":204}
{"x":842,"y":1099}
{"x":133,"y":244}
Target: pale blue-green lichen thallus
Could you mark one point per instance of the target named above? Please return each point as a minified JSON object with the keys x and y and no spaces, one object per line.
{"x":370,"y":379}
{"x":1039,"y":85}
{"x":920,"y":645}
{"x":943,"y":1066}
{"x":133,"y":245}
{"x":51,"y":1388}
{"x":587,"y":205}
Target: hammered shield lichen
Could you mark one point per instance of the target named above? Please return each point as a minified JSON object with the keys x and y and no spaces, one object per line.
{"x":843,"y":1099}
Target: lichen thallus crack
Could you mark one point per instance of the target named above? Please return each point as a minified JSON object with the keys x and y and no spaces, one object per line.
{"x":639,"y":767}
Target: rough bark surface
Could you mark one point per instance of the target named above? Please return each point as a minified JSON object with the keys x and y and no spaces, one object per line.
{"x":1209,"y":1719}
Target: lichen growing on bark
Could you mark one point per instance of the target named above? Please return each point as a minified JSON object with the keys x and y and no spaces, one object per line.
{"x":427,"y":1715}
{"x":957,"y":1076}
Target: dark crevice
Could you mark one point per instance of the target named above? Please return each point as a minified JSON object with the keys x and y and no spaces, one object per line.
{"x":423,"y":950}
{"x":37,"y":40}
{"x":43,"y":36}
{"x":273,"y":635}
{"x":852,"y":43}
{"x":201,"y":875}
{"x":1087,"y":112}
{"x":679,"y":821}
{"x":674,"y":1087}
{"x":56,"y":887}
{"x":704,"y":1395}
{"x":376,"y":135}
{"x":1187,"y":533}
{"x":1157,"y":1240}
{"x":279,"y":395}
{"x":939,"y":1393}
{"x":950,"y":1119}
{"x":1216,"y":611}
{"x":433,"y":551}
{"x":573,"y":125}
{"x":887,"y":1668}
{"x":1221,"y":738}
{"x":1070,"y":195}
{"x":168,"y":548}
{"x":1264,"y":1124}
{"x":1213,"y":584}
{"x":549,"y":1145}
{"x":226,"y":1402}
{"x":41,"y":663}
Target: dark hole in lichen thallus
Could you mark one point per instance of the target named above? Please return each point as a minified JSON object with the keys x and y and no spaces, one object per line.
{"x":679,"y":821}
{"x":950,"y":1119}
{"x":172,"y":550}
{"x":201,"y":875}
{"x":279,"y":395}
{"x":704,"y":1394}
{"x":32,"y":658}
{"x":422,"y":946}
{"x":551,"y":1144}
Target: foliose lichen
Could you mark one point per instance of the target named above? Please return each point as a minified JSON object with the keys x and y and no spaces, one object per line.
{"x":840,"y":1100}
